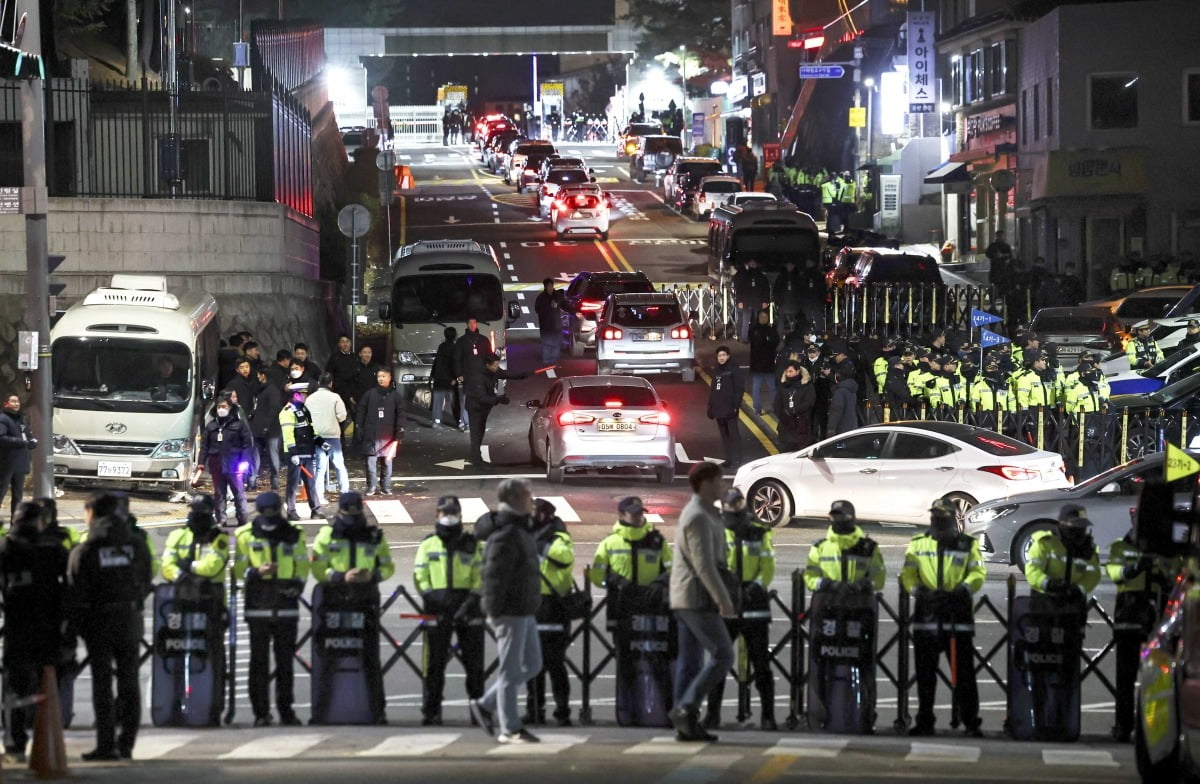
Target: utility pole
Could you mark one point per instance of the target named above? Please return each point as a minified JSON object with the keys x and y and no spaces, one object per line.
{"x":34,"y":205}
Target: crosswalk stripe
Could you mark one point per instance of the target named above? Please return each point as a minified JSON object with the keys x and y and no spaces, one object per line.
{"x":1098,"y":759}
{"x":154,"y":745}
{"x":563,"y":508}
{"x":275,"y":747}
{"x":413,"y":745}
{"x":390,"y":512}
{"x":701,"y":770}
{"x":665,"y":745}
{"x":653,"y":517}
{"x":819,"y":748}
{"x":941,"y":752}
{"x":550,"y":744}
{"x":472,"y":508}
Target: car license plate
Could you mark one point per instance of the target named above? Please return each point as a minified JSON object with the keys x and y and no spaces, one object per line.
{"x":616,"y":427}
{"x":583,"y":214}
{"x":648,"y":336}
{"x":105,"y":468}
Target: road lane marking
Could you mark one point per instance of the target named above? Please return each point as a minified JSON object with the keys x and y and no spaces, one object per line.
{"x":152,"y":745}
{"x":563,"y":508}
{"x":818,"y":748}
{"x":665,"y":745}
{"x":607,"y":257}
{"x":550,"y":744}
{"x":1097,"y":759}
{"x":701,"y":770}
{"x":620,"y":256}
{"x":413,"y":745}
{"x":772,"y":769}
{"x":275,"y":747}
{"x":390,"y":512}
{"x":942,"y":752}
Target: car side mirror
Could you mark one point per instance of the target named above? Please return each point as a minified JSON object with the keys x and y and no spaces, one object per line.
{"x":385,"y":311}
{"x":514,"y":310}
{"x":533,"y":404}
{"x":1112,"y":488}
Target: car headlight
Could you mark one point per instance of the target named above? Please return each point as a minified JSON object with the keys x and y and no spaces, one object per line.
{"x":64,"y":445}
{"x":173,"y":449}
{"x":406,"y":358}
{"x":988,"y":514}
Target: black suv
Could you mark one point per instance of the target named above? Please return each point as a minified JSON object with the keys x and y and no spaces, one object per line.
{"x":682,"y":179}
{"x":585,"y":297}
{"x":654,"y":155}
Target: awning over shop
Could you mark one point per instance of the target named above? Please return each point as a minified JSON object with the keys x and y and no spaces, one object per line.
{"x":951,"y":171}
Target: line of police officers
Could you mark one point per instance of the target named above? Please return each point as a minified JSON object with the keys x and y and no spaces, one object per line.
{"x":56,"y":584}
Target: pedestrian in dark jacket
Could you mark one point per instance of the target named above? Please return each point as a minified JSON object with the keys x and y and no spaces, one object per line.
{"x":364,"y":376}
{"x":278,"y":374}
{"x":512,"y":592}
{"x":482,"y":396}
{"x":725,"y":403}
{"x":445,"y":383}
{"x":379,"y":429}
{"x":264,"y":426}
{"x":786,"y":295}
{"x":16,"y":442}
{"x":751,"y":293}
{"x":823,"y":386}
{"x":245,"y":384}
{"x":764,"y":338}
{"x":896,"y":393}
{"x":843,"y":406}
{"x":548,"y":307}
{"x":470,"y":352}
{"x":311,"y":368}
{"x":794,"y":401}
{"x":343,"y":366}
{"x":813,"y":293}
{"x":225,"y":453}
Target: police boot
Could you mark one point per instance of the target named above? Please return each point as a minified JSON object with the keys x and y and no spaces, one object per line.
{"x":288,"y":718}
{"x":431,"y":720}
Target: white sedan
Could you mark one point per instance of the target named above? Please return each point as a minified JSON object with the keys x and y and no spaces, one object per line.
{"x":894,"y":472}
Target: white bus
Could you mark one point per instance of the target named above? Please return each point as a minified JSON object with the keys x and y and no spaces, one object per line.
{"x":133,"y":369}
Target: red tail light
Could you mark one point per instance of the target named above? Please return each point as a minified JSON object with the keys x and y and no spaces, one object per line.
{"x":613,"y":404}
{"x":591,"y":305}
{"x":1012,"y":473}
{"x":575,"y":418}
{"x":656,"y":418}
{"x":612,"y":333}
{"x":681,"y":333}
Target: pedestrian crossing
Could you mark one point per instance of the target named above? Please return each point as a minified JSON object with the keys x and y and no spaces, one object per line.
{"x":248,"y":745}
{"x":393,"y":511}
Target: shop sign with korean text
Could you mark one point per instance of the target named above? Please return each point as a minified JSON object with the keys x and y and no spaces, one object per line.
{"x":922,"y":63}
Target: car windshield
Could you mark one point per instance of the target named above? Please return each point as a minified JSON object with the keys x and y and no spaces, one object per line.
{"x":567,"y":176}
{"x":437,"y":299}
{"x":1135,"y":469}
{"x":1071,"y":323}
{"x":121,"y":374}
{"x":772,"y":245}
{"x":664,"y":145}
{"x":904,"y":269}
{"x":1172,"y":392}
{"x":1146,"y":307}
{"x":700,"y":169}
{"x":721,"y":186}
{"x":997,"y":444}
{"x":643,"y":129}
{"x":612,"y":397}
{"x":1173,"y":359}
{"x":646,"y":315}
{"x":600,"y":289}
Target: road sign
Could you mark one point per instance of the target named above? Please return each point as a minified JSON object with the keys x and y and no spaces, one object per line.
{"x":10,"y":201}
{"x":822,"y":72}
{"x":354,"y":220}
{"x":1180,"y":463}
{"x":858,"y":117}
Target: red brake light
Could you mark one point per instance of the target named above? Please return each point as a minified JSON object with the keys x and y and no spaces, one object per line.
{"x":612,"y":333}
{"x":656,"y":418}
{"x":681,"y":333}
{"x":590,"y":306}
{"x":1012,"y":473}
{"x":575,"y":418}
{"x":613,"y":404}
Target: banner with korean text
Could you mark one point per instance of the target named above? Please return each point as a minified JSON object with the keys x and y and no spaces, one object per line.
{"x":922,"y":63}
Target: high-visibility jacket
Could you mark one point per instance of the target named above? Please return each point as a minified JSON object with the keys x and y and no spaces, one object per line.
{"x":287,"y":551}
{"x":333,"y":556}
{"x":1048,"y":560}
{"x":637,"y":553}
{"x":943,"y":566}
{"x":844,"y":558}
{"x":185,"y":554}
{"x":752,"y":554}
{"x":1139,"y":351}
{"x":1082,"y":399}
{"x":66,"y":534}
{"x":829,"y":193}
{"x":847,"y":191}
{"x":556,"y":553}
{"x":1072,"y":378}
{"x":454,"y":566}
{"x":1018,"y":354}
{"x":1141,"y":596}
{"x":948,"y":391}
{"x":918,"y":381}
{"x":984,"y":398}
{"x":1034,"y":391}
{"x":299,"y":437}
{"x":880,"y":369}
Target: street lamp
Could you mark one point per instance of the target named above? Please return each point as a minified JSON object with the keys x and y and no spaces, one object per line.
{"x":683,"y":107}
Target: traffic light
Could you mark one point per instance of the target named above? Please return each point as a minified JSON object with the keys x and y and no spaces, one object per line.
{"x":17,"y":64}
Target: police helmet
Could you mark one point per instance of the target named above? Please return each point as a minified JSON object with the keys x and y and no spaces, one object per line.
{"x":268,"y":503}
{"x":449,"y":504}
{"x":943,"y":508}
{"x":203,"y":503}
{"x":350,"y":503}
{"x":842,"y":510}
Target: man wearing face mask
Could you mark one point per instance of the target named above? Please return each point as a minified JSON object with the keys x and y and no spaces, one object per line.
{"x":1063,"y":564}
{"x":225,"y":448}
{"x":725,"y":402}
{"x":752,"y":559}
{"x":556,"y":552}
{"x":300,"y":445}
{"x":199,"y":550}
{"x":896,"y":394}
{"x":447,"y":575}
{"x":794,"y":401}
{"x":942,"y":570}
{"x":272,"y":558}
{"x":990,"y":395}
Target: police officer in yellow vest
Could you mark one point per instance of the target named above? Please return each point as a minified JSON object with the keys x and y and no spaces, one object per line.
{"x":829,"y":200}
{"x":199,"y":550}
{"x":447,"y":574}
{"x":882,"y":362}
{"x":1143,"y":583}
{"x":845,"y":556}
{"x":1143,"y":351}
{"x":633,"y":552}
{"x":751,"y":557}
{"x":949,"y":391}
{"x":990,"y":395}
{"x":271,"y":556}
{"x":942,"y":570}
{"x":924,"y":378}
{"x":556,"y":552}
{"x":351,"y":552}
{"x":1062,"y":564}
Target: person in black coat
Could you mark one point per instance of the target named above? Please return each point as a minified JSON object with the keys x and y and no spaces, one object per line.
{"x":751,"y":293}
{"x":364,"y":376}
{"x":278,"y":372}
{"x":786,"y":295}
{"x":264,"y":426}
{"x":794,"y":401}
{"x":245,"y":384}
{"x":379,"y":429}
{"x":896,"y":394}
{"x":482,"y":396}
{"x":843,"y":406}
{"x":16,"y":442}
{"x":343,"y":366}
{"x":813,"y":293}
{"x":470,"y":352}
{"x":725,"y":402}
{"x":823,"y":386}
{"x":445,"y":383}
{"x":225,"y":453}
{"x":764,"y":339}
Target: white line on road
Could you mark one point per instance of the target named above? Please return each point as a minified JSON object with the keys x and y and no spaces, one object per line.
{"x":275,"y":747}
{"x":665,"y":745}
{"x":563,"y":508}
{"x":153,"y":745}
{"x":413,"y":745}
{"x":701,"y":770}
{"x":820,"y":748}
{"x":941,"y":752}
{"x":550,"y":744}
{"x":1099,"y":759}
{"x":390,"y":512}
{"x":473,"y":508}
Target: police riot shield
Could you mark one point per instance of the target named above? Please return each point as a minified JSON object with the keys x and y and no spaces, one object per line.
{"x":188,"y":675}
{"x":841,"y":680}
{"x":644,"y":665}
{"x":1045,"y":640}
{"x":347,"y":685}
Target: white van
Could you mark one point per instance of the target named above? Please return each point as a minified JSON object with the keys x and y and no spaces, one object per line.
{"x":133,"y":366}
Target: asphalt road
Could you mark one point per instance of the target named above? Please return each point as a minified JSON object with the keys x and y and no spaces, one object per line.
{"x":455,"y":198}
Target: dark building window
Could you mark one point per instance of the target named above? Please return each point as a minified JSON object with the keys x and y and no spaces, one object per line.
{"x":1114,"y":101}
{"x":1191,"y":97}
{"x":1050,"y":106}
{"x":1037,"y":114}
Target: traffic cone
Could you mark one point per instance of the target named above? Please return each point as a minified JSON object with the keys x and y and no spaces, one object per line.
{"x":404,"y":178}
{"x":49,"y":757}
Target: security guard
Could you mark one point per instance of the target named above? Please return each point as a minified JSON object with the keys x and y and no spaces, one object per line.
{"x":1038,"y":386}
{"x":922,"y":378}
{"x":300,"y":445}
{"x":272,"y":559}
{"x":1063,"y":564}
{"x":949,"y":391}
{"x":880,"y":366}
{"x":32,"y":569}
{"x":108,"y":577}
{"x":198,"y":550}
{"x":1143,"y":584}
{"x":447,"y":575}
{"x":751,"y":551}
{"x":846,"y":555}
{"x":990,"y":394}
{"x":351,"y":551}
{"x":1142,"y":351}
{"x":51,"y":528}
{"x":556,"y":552}
{"x":1085,"y":396}
{"x":942,"y":569}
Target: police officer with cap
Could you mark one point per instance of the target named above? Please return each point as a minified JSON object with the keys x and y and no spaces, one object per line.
{"x":199,"y":550}
{"x":272,"y":559}
{"x":846,"y":557}
{"x":1063,"y":564}
{"x":447,"y":575}
{"x":942,"y":569}
{"x":1142,"y":350}
{"x":300,"y":444}
{"x":556,"y":552}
